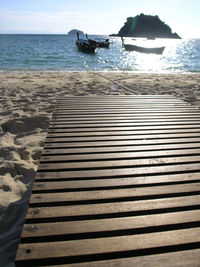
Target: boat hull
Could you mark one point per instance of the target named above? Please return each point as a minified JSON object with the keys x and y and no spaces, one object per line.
{"x":103,"y":44}
{"x":86,"y":47}
{"x":147,"y":50}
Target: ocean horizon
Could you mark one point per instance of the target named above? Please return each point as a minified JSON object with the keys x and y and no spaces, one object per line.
{"x":58,"y":52}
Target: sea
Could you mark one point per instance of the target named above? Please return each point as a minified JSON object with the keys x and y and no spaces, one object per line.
{"x":58,"y":52}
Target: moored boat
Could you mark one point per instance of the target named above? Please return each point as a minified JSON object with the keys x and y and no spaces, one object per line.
{"x":103,"y":43}
{"x":141,"y":49}
{"x":86,"y":45}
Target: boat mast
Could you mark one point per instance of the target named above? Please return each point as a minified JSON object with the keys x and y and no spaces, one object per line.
{"x":122,"y":41}
{"x":77,"y":36}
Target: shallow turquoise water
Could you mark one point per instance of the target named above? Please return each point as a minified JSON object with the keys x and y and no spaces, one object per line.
{"x":58,"y":52}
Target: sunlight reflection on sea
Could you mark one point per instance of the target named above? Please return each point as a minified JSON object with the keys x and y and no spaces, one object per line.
{"x":58,"y":52}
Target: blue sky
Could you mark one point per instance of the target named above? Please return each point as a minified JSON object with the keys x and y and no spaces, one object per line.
{"x":95,"y":17}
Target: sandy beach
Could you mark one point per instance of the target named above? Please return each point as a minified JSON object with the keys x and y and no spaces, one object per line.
{"x":26,"y":105}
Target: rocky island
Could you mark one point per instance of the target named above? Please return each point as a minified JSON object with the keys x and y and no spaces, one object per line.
{"x":146,"y":26}
{"x":74,"y":31}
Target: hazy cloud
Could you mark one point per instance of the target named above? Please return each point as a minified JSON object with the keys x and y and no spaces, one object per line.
{"x":36,"y":21}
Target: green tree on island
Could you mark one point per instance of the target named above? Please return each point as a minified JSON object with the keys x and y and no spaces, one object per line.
{"x":146,"y":26}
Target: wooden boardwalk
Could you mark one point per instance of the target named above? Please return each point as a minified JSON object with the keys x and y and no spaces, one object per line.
{"x":118,"y":185}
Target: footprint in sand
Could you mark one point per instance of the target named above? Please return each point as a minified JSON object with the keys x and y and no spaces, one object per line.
{"x":25,"y":124}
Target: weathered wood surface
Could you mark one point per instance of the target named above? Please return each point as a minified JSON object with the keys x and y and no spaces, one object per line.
{"x":118,"y":185}
{"x":159,"y":260}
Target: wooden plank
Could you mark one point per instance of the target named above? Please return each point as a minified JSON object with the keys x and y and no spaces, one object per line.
{"x":170,"y":259}
{"x":129,"y":97}
{"x":118,"y":99}
{"x":119,"y":182}
{"x":114,"y":208}
{"x":107,"y":245}
{"x":115,"y":194}
{"x":110,"y":112}
{"x":113,"y":224}
{"x":117,"y":124}
{"x":96,"y":126}
{"x":119,"y":155}
{"x":121,"y":99}
{"x":126,"y":106}
{"x":91,"y":124}
{"x":143,"y":100}
{"x":120,"y":119}
{"x":52,"y":139}
{"x":124,"y":114}
{"x":124,"y":133}
{"x":126,"y":98}
{"x":155,"y":127}
{"x":123,"y":143}
{"x":118,"y":149}
{"x":118,"y":172}
{"x":118,"y":163}
{"x":115,"y":111}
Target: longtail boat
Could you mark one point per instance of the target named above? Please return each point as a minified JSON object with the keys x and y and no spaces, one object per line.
{"x":141,"y":49}
{"x":86,"y":45}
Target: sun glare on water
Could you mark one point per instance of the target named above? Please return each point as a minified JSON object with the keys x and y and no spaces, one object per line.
{"x":143,"y":62}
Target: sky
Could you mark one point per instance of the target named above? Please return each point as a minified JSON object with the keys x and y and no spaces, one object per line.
{"x":95,"y":17}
